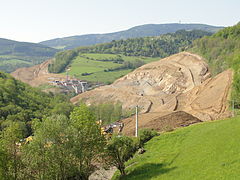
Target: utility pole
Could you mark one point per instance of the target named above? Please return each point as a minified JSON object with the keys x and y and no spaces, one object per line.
{"x":136,"y":130}
{"x":233,"y":114}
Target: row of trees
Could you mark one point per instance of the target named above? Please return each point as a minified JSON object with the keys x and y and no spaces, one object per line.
{"x":127,"y":65}
{"x":159,"y":46}
{"x":110,"y":112}
{"x":61,"y":61}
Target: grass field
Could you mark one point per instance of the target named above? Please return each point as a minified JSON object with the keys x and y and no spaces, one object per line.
{"x":207,"y":151}
{"x":95,"y":64}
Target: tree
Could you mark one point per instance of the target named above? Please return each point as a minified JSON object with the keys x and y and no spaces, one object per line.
{"x":47,"y":156}
{"x":86,"y":141}
{"x":64,"y":148}
{"x":10,"y":162}
{"x":119,"y":150}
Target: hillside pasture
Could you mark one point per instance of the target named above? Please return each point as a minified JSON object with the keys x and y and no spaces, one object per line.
{"x":94,"y":67}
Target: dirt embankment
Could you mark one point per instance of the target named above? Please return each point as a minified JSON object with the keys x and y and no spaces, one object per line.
{"x":159,"y":121}
{"x":36,"y":75}
{"x":181,"y":82}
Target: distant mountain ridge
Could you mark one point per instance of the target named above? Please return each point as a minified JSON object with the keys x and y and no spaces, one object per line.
{"x":24,"y":48}
{"x":14,"y":54}
{"x":137,"y":31}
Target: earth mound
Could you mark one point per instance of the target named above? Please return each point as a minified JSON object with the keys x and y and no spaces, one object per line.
{"x":160,"y":123}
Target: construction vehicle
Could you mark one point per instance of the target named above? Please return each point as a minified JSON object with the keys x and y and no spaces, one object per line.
{"x":108,"y":130}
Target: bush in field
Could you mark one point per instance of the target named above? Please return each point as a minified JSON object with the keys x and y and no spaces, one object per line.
{"x":145,"y":135}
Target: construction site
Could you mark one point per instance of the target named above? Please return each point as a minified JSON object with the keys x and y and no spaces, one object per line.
{"x":173,"y":92}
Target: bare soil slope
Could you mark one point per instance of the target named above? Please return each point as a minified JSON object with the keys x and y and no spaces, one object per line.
{"x":36,"y":75}
{"x":159,"y":121}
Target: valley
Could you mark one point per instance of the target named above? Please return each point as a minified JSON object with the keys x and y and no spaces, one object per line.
{"x":186,"y":88}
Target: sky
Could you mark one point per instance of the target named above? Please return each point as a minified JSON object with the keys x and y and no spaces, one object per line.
{"x":39,"y":20}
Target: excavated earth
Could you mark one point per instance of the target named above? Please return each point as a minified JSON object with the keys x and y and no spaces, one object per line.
{"x":160,"y":122}
{"x":172,"y":92}
{"x":36,"y":75}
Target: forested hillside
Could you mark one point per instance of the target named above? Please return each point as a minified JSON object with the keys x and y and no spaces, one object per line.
{"x":222,"y":51}
{"x":21,"y":103}
{"x":44,"y":137}
{"x":138,"y":31}
{"x":160,"y":46}
{"x":14,"y":54}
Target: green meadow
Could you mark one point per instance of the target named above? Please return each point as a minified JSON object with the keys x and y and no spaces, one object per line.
{"x":205,"y":151}
{"x":92,"y":67}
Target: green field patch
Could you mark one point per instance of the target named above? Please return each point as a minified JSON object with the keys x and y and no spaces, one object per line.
{"x":82,"y":65}
{"x":203,"y":151}
{"x":93,"y":67}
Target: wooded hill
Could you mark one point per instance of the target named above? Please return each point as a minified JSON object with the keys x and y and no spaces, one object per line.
{"x":14,"y":54}
{"x":21,"y":103}
{"x":137,"y":31}
{"x":160,"y":46}
{"x":222,"y":51}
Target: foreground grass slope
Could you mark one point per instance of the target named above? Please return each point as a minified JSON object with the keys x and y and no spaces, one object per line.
{"x":204,"y":151}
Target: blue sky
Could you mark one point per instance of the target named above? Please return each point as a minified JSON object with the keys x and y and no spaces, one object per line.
{"x":38,"y":20}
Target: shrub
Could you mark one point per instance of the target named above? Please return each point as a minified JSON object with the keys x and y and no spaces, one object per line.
{"x":145,"y":135}
{"x":119,"y":150}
